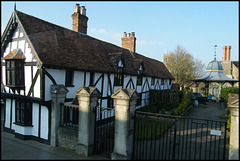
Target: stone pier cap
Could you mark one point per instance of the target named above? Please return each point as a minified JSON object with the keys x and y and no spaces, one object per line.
{"x":125,"y":93}
{"x":58,"y":89}
{"x":88,"y":91}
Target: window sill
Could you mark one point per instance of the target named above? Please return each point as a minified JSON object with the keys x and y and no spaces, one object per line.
{"x":69,"y":86}
{"x":21,"y":124}
{"x":15,"y":86}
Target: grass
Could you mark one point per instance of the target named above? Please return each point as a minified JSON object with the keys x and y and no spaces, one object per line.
{"x":150,"y":128}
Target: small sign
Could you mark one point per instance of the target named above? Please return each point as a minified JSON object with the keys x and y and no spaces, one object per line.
{"x":215,"y":132}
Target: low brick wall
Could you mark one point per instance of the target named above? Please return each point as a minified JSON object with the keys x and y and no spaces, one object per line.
{"x":67,"y":138}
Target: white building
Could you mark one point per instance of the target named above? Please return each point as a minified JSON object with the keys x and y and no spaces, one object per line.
{"x":36,"y":54}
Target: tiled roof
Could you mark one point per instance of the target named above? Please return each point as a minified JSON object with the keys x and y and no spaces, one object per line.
{"x":236,"y":63}
{"x":58,"y":47}
{"x":15,"y":54}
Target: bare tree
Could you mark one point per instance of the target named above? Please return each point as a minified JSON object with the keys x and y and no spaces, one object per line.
{"x":183,"y":67}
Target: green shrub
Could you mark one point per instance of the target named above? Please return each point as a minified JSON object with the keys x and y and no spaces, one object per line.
{"x":180,"y":109}
{"x":163,"y":111}
{"x":173,"y":112}
{"x":225,"y":92}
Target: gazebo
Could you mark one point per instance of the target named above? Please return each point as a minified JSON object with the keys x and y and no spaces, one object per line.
{"x":214,"y":73}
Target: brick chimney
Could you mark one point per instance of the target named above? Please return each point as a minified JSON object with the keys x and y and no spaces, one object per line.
{"x":79,"y":19}
{"x":129,"y":41}
{"x":226,"y":53}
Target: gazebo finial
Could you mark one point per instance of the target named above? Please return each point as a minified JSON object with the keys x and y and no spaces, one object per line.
{"x":15,"y":6}
{"x":215,"y":47}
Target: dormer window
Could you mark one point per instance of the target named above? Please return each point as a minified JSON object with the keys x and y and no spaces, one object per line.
{"x":15,"y":69}
{"x":118,"y":77}
{"x":139,"y":77}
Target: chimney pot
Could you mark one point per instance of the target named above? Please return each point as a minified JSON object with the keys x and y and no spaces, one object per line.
{"x":133,"y":34}
{"x":124,"y":34}
{"x":77,"y":9}
{"x":128,"y":34}
{"x":83,"y":10}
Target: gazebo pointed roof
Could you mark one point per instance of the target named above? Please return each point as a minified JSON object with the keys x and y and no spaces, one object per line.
{"x":214,"y":73}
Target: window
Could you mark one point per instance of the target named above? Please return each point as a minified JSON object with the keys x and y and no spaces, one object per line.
{"x":139,"y":80}
{"x":23,"y":112}
{"x":69,"y":78}
{"x":139,"y":101}
{"x":118,"y":77}
{"x":91,"y":79}
{"x":162,"y":81}
{"x":153,"y":81}
{"x":15,"y":73}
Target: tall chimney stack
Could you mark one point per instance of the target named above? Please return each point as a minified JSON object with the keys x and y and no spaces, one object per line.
{"x":228,"y":53}
{"x":79,"y":19}
{"x":224,"y":53}
{"x":129,"y":41}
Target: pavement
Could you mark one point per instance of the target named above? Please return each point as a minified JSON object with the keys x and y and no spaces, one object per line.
{"x":13,"y":148}
{"x":210,"y":111}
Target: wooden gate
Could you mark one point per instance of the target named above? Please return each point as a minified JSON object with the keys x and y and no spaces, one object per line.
{"x":173,"y":138}
{"x":104,"y":131}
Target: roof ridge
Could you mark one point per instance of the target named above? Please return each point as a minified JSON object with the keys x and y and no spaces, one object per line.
{"x":64,"y":48}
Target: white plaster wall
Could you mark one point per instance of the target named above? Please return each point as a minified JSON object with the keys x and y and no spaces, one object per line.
{"x":21,"y":34}
{"x":14,"y":45}
{"x":21,"y":45}
{"x":28,"y":54}
{"x":28,"y":81}
{"x":106,"y":89}
{"x":87,"y":79}
{"x":36,"y":88}
{"x":7,"y":113}
{"x":59,"y":77}
{"x":48,"y":83}
{"x":35,"y":118}
{"x":15,"y":34}
{"x":126,"y":80}
{"x":78,"y":82}
{"x":104,"y":103}
{"x":44,"y":123}
{"x":99,"y":84}
{"x":3,"y":75}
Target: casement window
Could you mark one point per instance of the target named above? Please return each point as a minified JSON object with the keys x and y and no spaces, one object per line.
{"x":118,"y":77}
{"x":15,"y":73}
{"x":140,"y":72}
{"x":91,"y":79}
{"x":69,"y":78}
{"x":23,"y":113}
{"x":153,"y":81}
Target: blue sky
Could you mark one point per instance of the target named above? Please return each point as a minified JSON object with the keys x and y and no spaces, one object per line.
{"x":159,"y":26}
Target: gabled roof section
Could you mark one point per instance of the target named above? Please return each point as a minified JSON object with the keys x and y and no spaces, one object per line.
{"x":8,"y":33}
{"x":236,"y":63}
{"x":58,"y":47}
{"x":15,"y":54}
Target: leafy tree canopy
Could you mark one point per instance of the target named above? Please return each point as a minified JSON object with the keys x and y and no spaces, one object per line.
{"x":183,"y":66}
